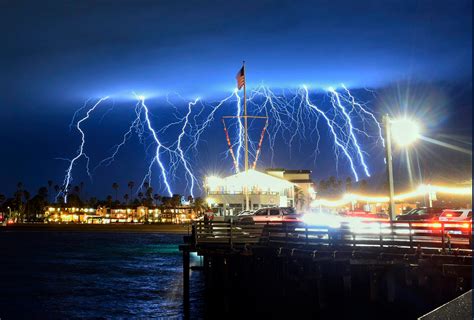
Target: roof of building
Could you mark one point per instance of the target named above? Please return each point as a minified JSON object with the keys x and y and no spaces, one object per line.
{"x":301,"y":181}
{"x":249,"y":179}
{"x":289,"y":170}
{"x":298,"y":171}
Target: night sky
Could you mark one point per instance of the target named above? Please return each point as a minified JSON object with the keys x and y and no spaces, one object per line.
{"x":398,"y":56}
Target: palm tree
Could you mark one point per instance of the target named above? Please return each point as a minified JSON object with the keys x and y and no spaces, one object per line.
{"x":140,"y":196}
{"x":50,"y":185}
{"x":131,"y":184}
{"x":56,"y":189}
{"x":157,"y":197}
{"x":125,"y":197}
{"x":109,"y":200}
{"x":175,"y":202}
{"x":348,"y":184}
{"x":149,"y":196}
{"x":145,"y":187}
{"x":81,"y":188}
{"x":26,"y":194}
{"x":115,"y":186}
{"x":199,"y":205}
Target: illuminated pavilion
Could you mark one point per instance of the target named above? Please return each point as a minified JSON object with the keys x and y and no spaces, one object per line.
{"x":273,"y":188}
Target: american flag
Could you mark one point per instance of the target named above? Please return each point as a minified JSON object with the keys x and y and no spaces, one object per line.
{"x":240,"y":78}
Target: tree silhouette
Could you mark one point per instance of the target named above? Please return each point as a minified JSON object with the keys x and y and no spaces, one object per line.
{"x":125,"y":197}
{"x":199,"y":205}
{"x":115,"y":186}
{"x":348,"y":184}
{"x":157,"y":198}
{"x":50,"y":185}
{"x":131,"y":184}
{"x":109,"y":200}
{"x":81,"y":185}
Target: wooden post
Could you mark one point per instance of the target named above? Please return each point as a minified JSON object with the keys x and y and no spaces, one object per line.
{"x":374,"y":284}
{"x":186,"y":282}
{"x":306,"y":231}
{"x":230,"y":234}
{"x":380,"y":235}
{"x":442,"y":237}
{"x":411,"y":235}
{"x":391,"y":286}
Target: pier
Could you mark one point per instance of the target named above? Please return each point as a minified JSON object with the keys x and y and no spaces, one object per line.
{"x":370,"y":270}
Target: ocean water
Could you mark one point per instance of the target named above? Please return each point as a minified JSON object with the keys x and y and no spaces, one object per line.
{"x":70,"y":275}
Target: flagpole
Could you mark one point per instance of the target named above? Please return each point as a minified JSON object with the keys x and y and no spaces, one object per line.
{"x":247,"y":205}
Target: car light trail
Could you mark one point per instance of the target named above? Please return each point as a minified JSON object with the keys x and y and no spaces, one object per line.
{"x":420,"y":191}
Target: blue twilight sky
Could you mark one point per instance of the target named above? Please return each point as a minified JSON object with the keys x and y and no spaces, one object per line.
{"x":414,"y":55}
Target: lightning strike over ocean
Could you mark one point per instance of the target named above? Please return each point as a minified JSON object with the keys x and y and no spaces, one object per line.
{"x":80,"y":153}
{"x":291,"y":116}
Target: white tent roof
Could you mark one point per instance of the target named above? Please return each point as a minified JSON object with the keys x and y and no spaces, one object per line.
{"x":249,"y":179}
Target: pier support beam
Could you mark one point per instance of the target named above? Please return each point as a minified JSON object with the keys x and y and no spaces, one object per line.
{"x":186,"y":283}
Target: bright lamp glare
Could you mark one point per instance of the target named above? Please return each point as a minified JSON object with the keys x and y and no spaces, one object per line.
{"x":405,"y":131}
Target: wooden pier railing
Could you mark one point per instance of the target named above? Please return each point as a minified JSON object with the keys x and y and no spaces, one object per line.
{"x":426,"y":235}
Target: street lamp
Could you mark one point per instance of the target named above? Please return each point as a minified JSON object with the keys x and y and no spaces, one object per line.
{"x":404,"y":132}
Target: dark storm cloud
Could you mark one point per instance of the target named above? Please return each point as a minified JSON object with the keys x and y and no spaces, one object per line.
{"x":56,"y":54}
{"x":106,"y":46}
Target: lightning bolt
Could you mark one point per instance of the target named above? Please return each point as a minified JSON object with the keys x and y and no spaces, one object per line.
{"x":136,"y":126}
{"x":293,"y":117}
{"x":76,"y":113}
{"x":329,"y":122}
{"x":80,"y":153}
{"x":240,"y":128}
{"x":336,"y":102}
{"x":159,"y":146}
{"x":192,"y":178}
{"x":370,"y":114}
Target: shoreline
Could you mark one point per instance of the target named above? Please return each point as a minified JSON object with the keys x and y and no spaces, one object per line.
{"x":134,"y":228}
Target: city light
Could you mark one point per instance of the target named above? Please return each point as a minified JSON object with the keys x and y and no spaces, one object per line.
{"x":250,"y":179}
{"x":420,"y":191}
{"x":405,"y":131}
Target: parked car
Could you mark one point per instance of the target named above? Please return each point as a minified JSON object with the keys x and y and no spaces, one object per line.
{"x":284,"y":214}
{"x":245,"y":213}
{"x":424,"y":213}
{"x":456,"y":215}
{"x":366,"y":215}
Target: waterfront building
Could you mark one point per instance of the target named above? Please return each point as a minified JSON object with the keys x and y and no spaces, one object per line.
{"x":273,"y":188}
{"x":120,"y":214}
